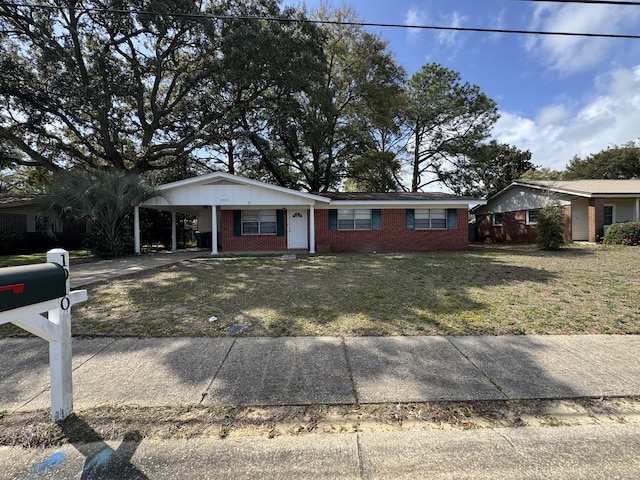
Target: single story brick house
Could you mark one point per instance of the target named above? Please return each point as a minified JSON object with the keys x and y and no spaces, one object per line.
{"x":236,"y":214}
{"x":19,"y":214}
{"x":22,"y":230}
{"x":590,"y":206}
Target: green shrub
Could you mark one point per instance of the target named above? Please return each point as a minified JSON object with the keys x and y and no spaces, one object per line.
{"x":550,"y":226}
{"x":11,"y":243}
{"x":627,"y":233}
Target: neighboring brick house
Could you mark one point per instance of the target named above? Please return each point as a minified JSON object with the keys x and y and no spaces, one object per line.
{"x":590,"y":206}
{"x":18,"y":213}
{"x":252,"y":216}
{"x":23,"y":231}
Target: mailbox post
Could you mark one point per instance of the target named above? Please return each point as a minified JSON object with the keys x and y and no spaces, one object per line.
{"x":29,"y":291}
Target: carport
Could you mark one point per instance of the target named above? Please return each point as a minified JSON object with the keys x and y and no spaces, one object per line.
{"x":229,"y":207}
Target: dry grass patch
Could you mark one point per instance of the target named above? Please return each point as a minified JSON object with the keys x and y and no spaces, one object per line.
{"x":34,"y":429}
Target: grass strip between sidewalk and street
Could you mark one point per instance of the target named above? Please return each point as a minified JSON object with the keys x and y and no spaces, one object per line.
{"x":131,"y":423}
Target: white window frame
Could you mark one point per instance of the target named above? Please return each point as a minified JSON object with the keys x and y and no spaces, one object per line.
{"x":263,"y":220}
{"x":354,"y":219}
{"x":535,"y":222}
{"x":613,"y":214}
{"x":423,"y":218}
{"x":493,"y":219}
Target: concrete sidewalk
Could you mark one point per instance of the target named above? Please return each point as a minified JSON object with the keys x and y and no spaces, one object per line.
{"x":323,"y":370}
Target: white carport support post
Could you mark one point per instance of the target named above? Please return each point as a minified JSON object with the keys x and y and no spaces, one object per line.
{"x":312,"y":229}
{"x":136,"y":229}
{"x":214,"y":231}
{"x":174,"y":234}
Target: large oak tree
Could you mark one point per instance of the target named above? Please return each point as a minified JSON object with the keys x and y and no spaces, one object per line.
{"x":137,"y":85}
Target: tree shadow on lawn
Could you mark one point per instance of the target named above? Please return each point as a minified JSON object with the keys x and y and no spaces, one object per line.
{"x":345,"y":294}
{"x":569,"y":250}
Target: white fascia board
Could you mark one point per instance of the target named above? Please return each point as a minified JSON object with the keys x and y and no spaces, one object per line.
{"x":550,"y":188}
{"x":206,"y":179}
{"x":401,"y":204}
{"x":196,"y":180}
{"x":617,"y":195}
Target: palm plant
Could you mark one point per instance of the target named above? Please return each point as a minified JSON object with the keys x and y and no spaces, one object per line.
{"x":104,"y":199}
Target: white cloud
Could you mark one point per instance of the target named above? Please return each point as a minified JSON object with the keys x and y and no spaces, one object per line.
{"x":447,"y":38}
{"x":414,"y":16}
{"x":609,"y":116}
{"x":450,"y":37}
{"x":567,"y":54}
{"x":551,"y":115}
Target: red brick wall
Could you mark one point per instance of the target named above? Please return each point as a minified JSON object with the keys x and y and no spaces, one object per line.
{"x":514,"y":228}
{"x":596,"y":219}
{"x":13,"y":223}
{"x":393,"y":237}
{"x":567,"y":233}
{"x":248,"y":243}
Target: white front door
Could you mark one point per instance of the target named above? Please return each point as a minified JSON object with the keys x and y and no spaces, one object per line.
{"x":297,"y":234}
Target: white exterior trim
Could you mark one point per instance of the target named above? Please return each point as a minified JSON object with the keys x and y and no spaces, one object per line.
{"x":312,"y":230}
{"x":174,"y":232}
{"x":214,"y":230}
{"x":400,"y":204}
{"x":136,"y":229}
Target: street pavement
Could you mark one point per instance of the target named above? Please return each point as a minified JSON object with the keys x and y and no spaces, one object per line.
{"x":588,"y":452}
{"x":328,"y":370}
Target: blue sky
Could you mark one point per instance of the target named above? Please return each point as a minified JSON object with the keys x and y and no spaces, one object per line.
{"x":557,"y":96}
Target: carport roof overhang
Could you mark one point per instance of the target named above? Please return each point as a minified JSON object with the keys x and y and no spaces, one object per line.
{"x":226,"y":191}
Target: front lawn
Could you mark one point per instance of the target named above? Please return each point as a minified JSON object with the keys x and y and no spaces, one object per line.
{"x":488,"y":290}
{"x":75,"y":256}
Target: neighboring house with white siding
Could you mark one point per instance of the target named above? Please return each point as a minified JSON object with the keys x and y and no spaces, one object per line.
{"x":590,"y":206}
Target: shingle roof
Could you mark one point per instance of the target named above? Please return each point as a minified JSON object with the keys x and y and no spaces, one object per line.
{"x":18,"y":199}
{"x":587,"y":187}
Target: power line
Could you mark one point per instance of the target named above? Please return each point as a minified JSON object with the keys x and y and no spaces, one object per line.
{"x":586,"y":2}
{"x":336,"y":22}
